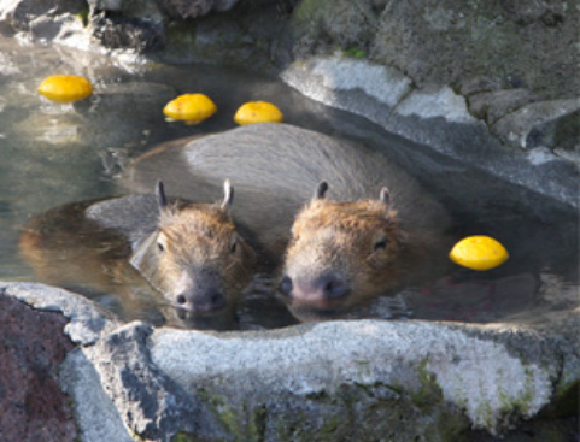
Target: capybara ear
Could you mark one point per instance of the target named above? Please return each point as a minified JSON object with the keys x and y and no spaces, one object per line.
{"x":320,"y":191}
{"x":385,"y":198}
{"x":161,"y":200}
{"x":228,"y":195}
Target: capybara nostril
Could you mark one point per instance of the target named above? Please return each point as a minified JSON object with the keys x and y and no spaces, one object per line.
{"x":181,"y":299}
{"x":285,"y":285}
{"x":333,"y":286}
{"x":216,"y":299}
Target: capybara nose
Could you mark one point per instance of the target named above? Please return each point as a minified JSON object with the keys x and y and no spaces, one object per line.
{"x":325,"y":287}
{"x":212,"y":299}
{"x":286,"y":285}
{"x":331,"y":285}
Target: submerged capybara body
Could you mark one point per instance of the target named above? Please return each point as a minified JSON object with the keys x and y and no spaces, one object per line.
{"x":189,"y":252}
{"x":358,"y":247}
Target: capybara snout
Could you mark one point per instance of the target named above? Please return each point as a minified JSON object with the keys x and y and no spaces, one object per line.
{"x":195,"y":257}
{"x":199,"y":293}
{"x":327,"y":286}
{"x":341,"y":249}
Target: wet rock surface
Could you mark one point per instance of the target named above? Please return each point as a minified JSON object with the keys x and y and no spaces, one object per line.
{"x":342,"y":380}
{"x":514,"y":63}
{"x":195,"y":8}
{"x":33,"y":345}
{"x":439,"y":118}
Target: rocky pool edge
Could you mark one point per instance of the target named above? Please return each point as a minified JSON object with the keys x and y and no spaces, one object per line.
{"x":407,"y":378}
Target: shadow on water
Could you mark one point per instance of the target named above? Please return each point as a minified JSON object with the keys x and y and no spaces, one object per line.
{"x":51,"y":155}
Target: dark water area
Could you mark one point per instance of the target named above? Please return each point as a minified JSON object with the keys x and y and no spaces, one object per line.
{"x":52,"y":155}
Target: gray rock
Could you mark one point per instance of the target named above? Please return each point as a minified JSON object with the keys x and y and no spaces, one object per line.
{"x":146,"y":11}
{"x":540,"y":124}
{"x":87,"y":321}
{"x":150,"y":403}
{"x":453,"y":41}
{"x":125,"y":33}
{"x":322,"y":27}
{"x":526,"y":12}
{"x":321,"y":78}
{"x":491,"y":106}
{"x":478,"y":85}
{"x":19,"y":13}
{"x":433,"y":116}
{"x":95,"y":412}
{"x":435,"y":103}
{"x":194,"y":8}
{"x":315,"y":382}
{"x":405,"y":360}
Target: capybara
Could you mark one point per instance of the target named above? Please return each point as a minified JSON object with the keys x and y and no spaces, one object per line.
{"x":190,"y":252}
{"x":344,"y":246}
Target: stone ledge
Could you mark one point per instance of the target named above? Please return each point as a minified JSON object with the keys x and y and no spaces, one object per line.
{"x":405,"y":377}
{"x":437,"y":117}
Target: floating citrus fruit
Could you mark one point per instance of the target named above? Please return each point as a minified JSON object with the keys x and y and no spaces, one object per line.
{"x":479,"y":252}
{"x":193,"y":108}
{"x":65,"y":88}
{"x":258,"y":112}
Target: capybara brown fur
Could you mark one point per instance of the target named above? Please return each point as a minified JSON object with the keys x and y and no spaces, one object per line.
{"x":190,"y":252}
{"x":195,"y":257}
{"x":342,"y":247}
{"x":353,"y":235}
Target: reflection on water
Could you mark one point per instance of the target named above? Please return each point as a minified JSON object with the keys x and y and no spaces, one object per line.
{"x":54,"y":154}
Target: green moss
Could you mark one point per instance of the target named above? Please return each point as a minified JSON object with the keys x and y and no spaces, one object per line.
{"x":429,"y":394}
{"x":332,"y":425}
{"x":306,"y":10}
{"x":566,"y":402}
{"x":182,"y":437}
{"x":355,"y":53}
{"x":247,"y":425}
{"x":84,"y":16}
{"x":180,"y":33}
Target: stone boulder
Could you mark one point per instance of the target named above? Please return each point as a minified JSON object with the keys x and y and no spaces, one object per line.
{"x":19,"y":13}
{"x":337,"y":381}
{"x":32,"y":349}
{"x":439,"y":117}
{"x":194,"y":8}
{"x":551,"y":123}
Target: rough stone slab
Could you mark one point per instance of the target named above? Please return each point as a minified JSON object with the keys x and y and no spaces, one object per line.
{"x":96,"y":415}
{"x":32,"y":347}
{"x":88,"y":321}
{"x":441,"y":102}
{"x":480,"y":376}
{"x":535,"y":125}
{"x":381,"y":82}
{"x":491,"y":106}
{"x":150,"y":404}
{"x":401,"y":378}
{"x":438,"y":118}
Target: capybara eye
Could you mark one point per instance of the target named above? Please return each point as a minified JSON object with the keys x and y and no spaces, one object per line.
{"x":286,"y":285}
{"x":180,"y":299}
{"x":380,"y":244}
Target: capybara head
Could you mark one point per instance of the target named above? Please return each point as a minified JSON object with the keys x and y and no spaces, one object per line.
{"x":196,"y":258}
{"x":341,"y":251}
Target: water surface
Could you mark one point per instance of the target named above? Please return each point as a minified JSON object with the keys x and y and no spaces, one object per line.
{"x":55,"y":154}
